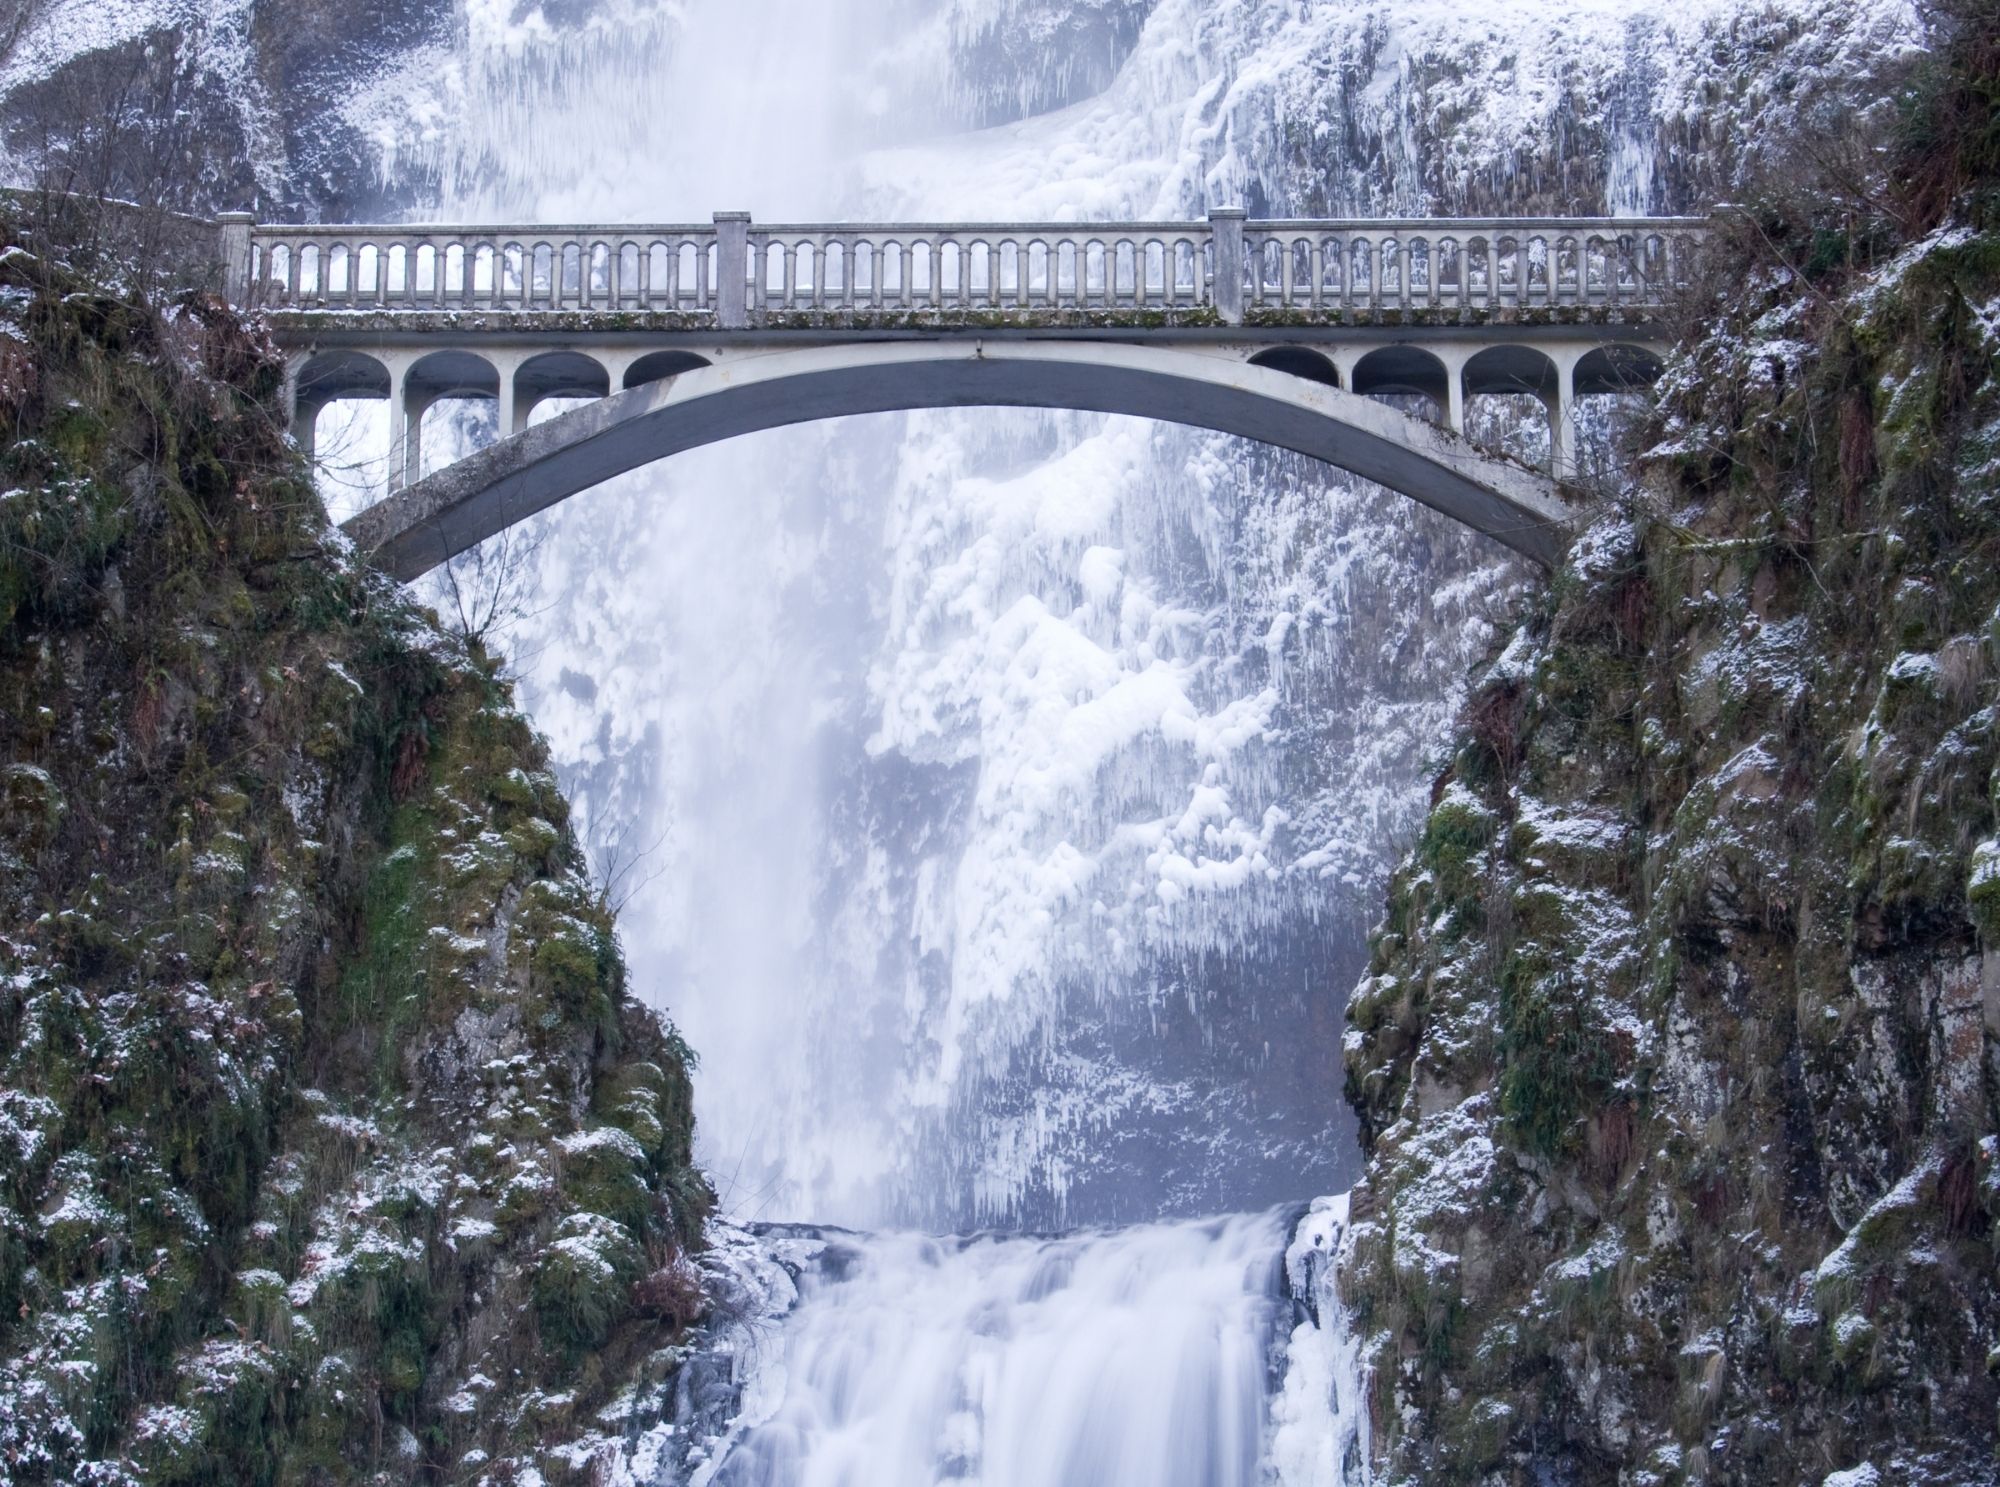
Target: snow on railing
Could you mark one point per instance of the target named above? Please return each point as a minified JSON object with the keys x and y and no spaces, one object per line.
{"x":743,"y":275}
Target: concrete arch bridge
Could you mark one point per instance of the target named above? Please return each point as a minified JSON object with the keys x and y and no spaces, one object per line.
{"x":1286,"y":332}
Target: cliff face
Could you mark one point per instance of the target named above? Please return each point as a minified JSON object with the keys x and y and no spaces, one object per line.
{"x":1679,"y":1056}
{"x":217,"y":105}
{"x":332,"y":1142}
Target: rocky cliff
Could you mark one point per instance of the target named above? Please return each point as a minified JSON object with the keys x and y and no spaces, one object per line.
{"x":333,"y":1143}
{"x":1679,"y":1055}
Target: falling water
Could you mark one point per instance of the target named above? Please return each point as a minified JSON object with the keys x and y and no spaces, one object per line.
{"x":1164,"y":1355}
{"x":1009,"y":848}
{"x":1014,"y":789}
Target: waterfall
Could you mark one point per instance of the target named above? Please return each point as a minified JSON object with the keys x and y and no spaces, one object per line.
{"x":1015,"y":790}
{"x":1204,"y":1353}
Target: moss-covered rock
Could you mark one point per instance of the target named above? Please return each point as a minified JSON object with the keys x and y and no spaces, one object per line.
{"x":1679,"y":1053}
{"x":321,"y":1073}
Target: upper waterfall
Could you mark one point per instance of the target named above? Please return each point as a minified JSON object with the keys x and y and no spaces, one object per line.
{"x":960,"y":939}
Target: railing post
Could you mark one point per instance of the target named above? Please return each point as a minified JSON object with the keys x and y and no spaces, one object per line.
{"x":236,"y":256}
{"x":1225,"y":230}
{"x":732,"y":269}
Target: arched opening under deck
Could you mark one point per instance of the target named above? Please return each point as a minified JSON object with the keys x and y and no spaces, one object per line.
{"x":557,"y":374}
{"x":437,"y":437}
{"x":1405,"y":372}
{"x":1512,"y":399}
{"x":657,"y":366}
{"x":1617,"y":368}
{"x":1299,"y":362}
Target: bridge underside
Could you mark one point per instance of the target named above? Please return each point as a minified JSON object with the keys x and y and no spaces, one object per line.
{"x":685,"y":405}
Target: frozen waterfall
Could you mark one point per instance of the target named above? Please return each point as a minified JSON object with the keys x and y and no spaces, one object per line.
{"x":1020,"y":786}
{"x":1202,"y":1353}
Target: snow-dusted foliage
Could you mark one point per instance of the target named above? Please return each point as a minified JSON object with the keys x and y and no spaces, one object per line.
{"x":323,"y":1103}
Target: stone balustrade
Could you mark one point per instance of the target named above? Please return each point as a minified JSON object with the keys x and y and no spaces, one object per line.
{"x":733,"y":274}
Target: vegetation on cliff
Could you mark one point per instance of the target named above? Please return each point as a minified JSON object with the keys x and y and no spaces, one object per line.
{"x":1679,"y":1058}
{"x":333,"y":1145}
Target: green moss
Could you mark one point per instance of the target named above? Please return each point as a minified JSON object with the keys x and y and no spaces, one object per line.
{"x":604,"y":1172}
{"x":1982,"y":891}
{"x":583,"y":1281}
{"x":1557,"y":1065}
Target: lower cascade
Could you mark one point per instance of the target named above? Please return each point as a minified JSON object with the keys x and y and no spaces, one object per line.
{"x":1200,"y":1353}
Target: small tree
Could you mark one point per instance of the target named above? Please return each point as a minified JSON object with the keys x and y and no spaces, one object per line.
{"x":493,"y":588}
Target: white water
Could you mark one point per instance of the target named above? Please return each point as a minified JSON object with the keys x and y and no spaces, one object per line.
{"x":1141,"y":1357}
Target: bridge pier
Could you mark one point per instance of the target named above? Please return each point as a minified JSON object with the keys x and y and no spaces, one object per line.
{"x":732,"y":270}
{"x":511,"y":418}
{"x":1225,"y":226}
{"x":1562,"y":416}
{"x":1454,"y":359}
{"x":404,"y":433}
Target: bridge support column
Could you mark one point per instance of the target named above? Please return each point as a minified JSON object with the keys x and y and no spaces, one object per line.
{"x":290,"y":399}
{"x":305,"y":429}
{"x":1454,"y":359}
{"x":1562,"y":417}
{"x":399,"y":427}
{"x":1225,"y":230}
{"x":415,"y":406}
{"x":511,"y":418}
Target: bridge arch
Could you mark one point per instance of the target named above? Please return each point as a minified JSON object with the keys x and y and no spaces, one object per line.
{"x":657,"y":366}
{"x":1511,"y":369}
{"x":434,"y":519}
{"x":451,"y":374}
{"x":331,"y":377}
